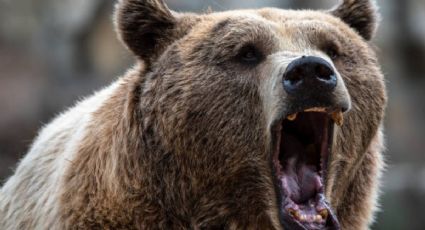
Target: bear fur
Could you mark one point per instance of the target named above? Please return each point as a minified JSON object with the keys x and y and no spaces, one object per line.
{"x":182,"y":141}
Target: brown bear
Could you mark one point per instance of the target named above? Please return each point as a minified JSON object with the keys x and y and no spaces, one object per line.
{"x":248,"y":119}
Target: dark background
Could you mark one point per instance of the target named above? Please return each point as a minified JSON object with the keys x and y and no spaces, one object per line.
{"x":53,"y":53}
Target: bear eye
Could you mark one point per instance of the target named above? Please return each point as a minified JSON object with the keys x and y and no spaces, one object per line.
{"x":332,"y":51}
{"x":249,"y":54}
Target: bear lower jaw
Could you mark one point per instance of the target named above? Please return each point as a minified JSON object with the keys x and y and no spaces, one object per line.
{"x":302,"y":147}
{"x":314,"y":214}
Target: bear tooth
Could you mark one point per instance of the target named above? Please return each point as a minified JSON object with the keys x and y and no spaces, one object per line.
{"x":315,"y":109}
{"x":302,"y":217}
{"x":292,"y":117}
{"x":294,"y":213}
{"x":338,"y":118}
{"x":324,"y":214}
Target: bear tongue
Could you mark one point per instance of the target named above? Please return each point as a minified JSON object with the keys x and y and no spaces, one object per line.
{"x":301,"y":184}
{"x":309,"y":182}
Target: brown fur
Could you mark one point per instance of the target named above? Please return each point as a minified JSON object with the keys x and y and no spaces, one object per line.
{"x":183,"y":142}
{"x":160,"y":178}
{"x":150,"y":160}
{"x":360,"y":15}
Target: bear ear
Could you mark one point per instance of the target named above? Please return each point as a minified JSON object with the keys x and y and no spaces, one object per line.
{"x":361,"y":15}
{"x":146,"y":27}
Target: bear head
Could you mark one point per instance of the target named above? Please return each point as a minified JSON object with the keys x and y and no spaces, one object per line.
{"x":258,"y":117}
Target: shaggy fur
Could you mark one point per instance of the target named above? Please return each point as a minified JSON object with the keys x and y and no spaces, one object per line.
{"x":360,"y":15}
{"x":182,"y":141}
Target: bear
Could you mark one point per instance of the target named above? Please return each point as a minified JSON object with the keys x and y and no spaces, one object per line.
{"x":245,"y":119}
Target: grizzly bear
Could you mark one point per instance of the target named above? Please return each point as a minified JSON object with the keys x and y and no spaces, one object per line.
{"x":247,"y":119}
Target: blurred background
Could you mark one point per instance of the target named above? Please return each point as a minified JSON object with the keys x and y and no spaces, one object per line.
{"x":53,"y":53}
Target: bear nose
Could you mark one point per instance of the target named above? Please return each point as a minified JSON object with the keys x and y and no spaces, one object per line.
{"x":309,"y":75}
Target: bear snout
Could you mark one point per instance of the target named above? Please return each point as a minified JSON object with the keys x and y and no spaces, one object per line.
{"x":309,"y":76}
{"x":313,"y":82}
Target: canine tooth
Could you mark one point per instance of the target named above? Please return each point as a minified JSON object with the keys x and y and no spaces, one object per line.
{"x":292,"y":117}
{"x":338,"y":118}
{"x":297,"y":215}
{"x":324,"y":214}
{"x":294,"y":213}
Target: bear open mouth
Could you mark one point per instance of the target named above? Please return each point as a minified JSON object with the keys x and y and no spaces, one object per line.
{"x":302,"y":146}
